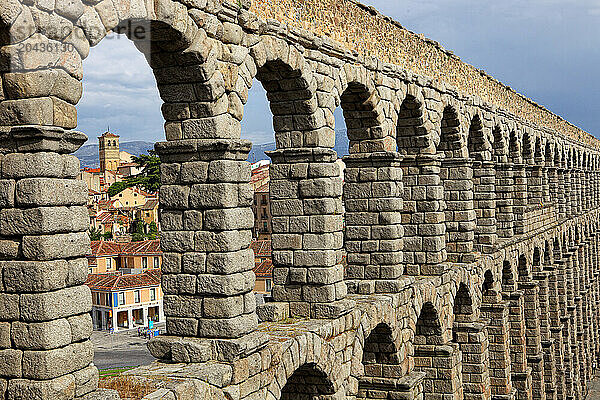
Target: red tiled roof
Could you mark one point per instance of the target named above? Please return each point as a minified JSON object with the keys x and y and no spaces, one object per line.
{"x":92,"y":170}
{"x":105,"y":248}
{"x":108,"y":248}
{"x":261,"y":248}
{"x":263,"y":189}
{"x":263,"y":269}
{"x":116,"y":281}
{"x":109,"y":134}
{"x":146,"y":247}
{"x":151,"y":204}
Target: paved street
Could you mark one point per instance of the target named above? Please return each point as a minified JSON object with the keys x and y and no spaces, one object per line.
{"x":594,"y":393}
{"x":123,"y":349}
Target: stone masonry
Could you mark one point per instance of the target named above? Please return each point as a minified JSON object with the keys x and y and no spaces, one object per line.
{"x":468,"y":215}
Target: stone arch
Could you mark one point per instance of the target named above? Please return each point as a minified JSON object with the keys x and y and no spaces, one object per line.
{"x":428,"y":328}
{"x":523,"y":266}
{"x":509,"y":283}
{"x":463,"y":305}
{"x":488,"y":282}
{"x":290,"y":85}
{"x":536,"y":263}
{"x":514,"y":147}
{"x":451,"y":139}
{"x":412,"y":136}
{"x":500,"y":145}
{"x":440,"y":361}
{"x":308,"y":382}
{"x":527,"y":149}
{"x":321,"y":365}
{"x":367,"y":128}
{"x":477,"y":143}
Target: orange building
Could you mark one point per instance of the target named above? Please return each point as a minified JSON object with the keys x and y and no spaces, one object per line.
{"x":110,"y":256}
{"x":126,"y":301}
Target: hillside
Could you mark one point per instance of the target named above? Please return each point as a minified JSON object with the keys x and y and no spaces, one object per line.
{"x":88,"y":154}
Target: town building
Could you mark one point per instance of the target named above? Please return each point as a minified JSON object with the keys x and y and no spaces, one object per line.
{"x":126,"y":301}
{"x":108,"y":256}
{"x":263,"y":266}
{"x":110,"y":158}
{"x":261,"y":207}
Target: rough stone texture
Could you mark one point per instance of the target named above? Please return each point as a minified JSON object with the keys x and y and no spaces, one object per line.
{"x":469,"y":224}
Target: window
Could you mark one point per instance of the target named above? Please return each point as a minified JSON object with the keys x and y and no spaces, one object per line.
{"x":265,"y":227}
{"x":268,"y":285}
{"x":144,"y":262}
{"x":152,"y":294}
{"x":137,"y":296}
{"x":264,"y":199}
{"x":156,"y":262}
{"x":121,"y":299}
{"x":109,"y":263}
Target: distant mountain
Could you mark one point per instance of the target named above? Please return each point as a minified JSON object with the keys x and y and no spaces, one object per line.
{"x":88,"y":154}
{"x":258,"y":150}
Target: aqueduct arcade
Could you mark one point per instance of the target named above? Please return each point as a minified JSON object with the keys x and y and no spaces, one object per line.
{"x":468,"y":214}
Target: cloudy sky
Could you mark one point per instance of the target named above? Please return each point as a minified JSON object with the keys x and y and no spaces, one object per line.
{"x":548,"y":50}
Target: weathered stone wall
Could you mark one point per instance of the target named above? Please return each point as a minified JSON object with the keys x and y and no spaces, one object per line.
{"x":470,"y":227}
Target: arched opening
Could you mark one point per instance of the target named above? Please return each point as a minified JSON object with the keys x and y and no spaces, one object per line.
{"x":420,"y":164}
{"x":456,"y":174}
{"x":463,"y":305}
{"x":308,"y":382}
{"x":473,"y":343}
{"x":509,"y":283}
{"x":488,"y":282}
{"x":382,"y":366}
{"x":372,"y":175}
{"x":411,"y":135}
{"x":252,"y":106}
{"x":523,"y":267}
{"x":439,"y":362}
{"x":537,"y":260}
{"x":428,"y":328}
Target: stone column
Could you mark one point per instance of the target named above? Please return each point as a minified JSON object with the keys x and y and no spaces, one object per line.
{"x":307,"y":240}
{"x":504,"y":200}
{"x":534,"y":184}
{"x":484,"y":178}
{"x":563,"y":202}
{"x":45,"y":351}
{"x":540,"y":277}
{"x":457,"y":178}
{"x":520,"y":372}
{"x":473,"y":343}
{"x":496,"y":313}
{"x":571,"y":318}
{"x":546,"y":195}
{"x":206,"y":223}
{"x":535,"y":358}
{"x":373,"y":229}
{"x":556,"y":330}
{"x":587,"y":186}
{"x":575,"y":194}
{"x":442,"y":365}
{"x":519,"y":197}
{"x":423,"y":216}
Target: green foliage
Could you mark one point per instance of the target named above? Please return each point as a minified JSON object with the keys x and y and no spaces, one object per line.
{"x":108,"y":235}
{"x":153,"y":231}
{"x":117,"y":188}
{"x":149,"y":178}
{"x":95,"y":234}
{"x":138,"y":237}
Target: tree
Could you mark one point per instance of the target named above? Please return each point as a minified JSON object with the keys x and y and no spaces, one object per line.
{"x":152,"y":231}
{"x":149,"y":178}
{"x":95,"y":234}
{"x":139,"y":232}
{"x":117,"y":188}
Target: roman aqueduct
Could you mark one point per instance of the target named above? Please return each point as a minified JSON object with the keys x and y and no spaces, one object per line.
{"x":467,"y":213}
